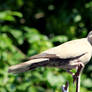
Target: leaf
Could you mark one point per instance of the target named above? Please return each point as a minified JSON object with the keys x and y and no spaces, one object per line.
{"x":6,"y":16}
{"x":77,"y":18}
{"x":9,"y":15}
{"x":18,"y":14}
{"x":55,"y":80}
{"x":60,"y":38}
{"x":87,"y":83}
{"x":18,"y":35}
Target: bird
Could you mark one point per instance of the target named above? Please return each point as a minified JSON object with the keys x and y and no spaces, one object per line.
{"x":74,"y":54}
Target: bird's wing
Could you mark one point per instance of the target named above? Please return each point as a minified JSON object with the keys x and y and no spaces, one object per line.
{"x":71,"y":49}
{"x":43,"y":55}
{"x":52,"y":56}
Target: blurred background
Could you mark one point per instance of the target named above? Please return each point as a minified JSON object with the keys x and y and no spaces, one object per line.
{"x":28,"y":27}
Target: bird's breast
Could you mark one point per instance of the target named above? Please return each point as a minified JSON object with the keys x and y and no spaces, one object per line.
{"x":85,"y":58}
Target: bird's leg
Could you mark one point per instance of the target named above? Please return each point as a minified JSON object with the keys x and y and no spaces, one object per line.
{"x":65,"y":88}
{"x":78,"y":84}
{"x":79,"y":70}
{"x":76,"y":77}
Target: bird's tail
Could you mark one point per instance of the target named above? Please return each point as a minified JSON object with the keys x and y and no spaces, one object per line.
{"x":31,"y":64}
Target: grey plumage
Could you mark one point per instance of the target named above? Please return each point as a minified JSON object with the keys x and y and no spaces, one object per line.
{"x":65,"y":56}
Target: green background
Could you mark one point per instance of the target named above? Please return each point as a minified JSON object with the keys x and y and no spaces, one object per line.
{"x":28,"y":27}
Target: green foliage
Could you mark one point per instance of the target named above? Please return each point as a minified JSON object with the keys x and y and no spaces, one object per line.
{"x":9,"y":15}
{"x":28,"y":28}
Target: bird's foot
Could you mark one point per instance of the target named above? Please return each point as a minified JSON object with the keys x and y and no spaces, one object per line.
{"x":79,"y":70}
{"x":65,"y":87}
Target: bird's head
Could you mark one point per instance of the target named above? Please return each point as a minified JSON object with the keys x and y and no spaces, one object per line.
{"x":89,"y":37}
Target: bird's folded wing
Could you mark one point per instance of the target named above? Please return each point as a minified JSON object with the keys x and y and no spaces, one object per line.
{"x":53,"y":56}
{"x":71,"y":49}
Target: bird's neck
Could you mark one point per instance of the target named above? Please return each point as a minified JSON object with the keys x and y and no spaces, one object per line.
{"x":90,"y":40}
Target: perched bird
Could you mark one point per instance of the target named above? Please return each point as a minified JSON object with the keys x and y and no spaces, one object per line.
{"x":69,"y":55}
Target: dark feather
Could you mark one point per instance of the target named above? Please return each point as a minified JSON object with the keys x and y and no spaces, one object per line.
{"x":53,"y":56}
{"x":43,"y":55}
